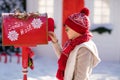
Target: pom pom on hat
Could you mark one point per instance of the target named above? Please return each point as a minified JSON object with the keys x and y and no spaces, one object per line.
{"x":85,"y":11}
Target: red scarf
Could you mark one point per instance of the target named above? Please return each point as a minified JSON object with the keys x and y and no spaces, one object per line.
{"x":69,"y":46}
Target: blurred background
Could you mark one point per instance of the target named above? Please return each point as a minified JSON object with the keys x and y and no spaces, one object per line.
{"x":105,"y":27}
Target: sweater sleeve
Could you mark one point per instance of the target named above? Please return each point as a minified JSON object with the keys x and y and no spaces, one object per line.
{"x":57,"y":49}
{"x":83,"y":64}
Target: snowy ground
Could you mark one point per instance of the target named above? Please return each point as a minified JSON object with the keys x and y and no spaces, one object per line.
{"x":45,"y":69}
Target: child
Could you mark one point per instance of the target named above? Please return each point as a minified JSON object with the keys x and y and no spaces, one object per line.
{"x":79,"y":55}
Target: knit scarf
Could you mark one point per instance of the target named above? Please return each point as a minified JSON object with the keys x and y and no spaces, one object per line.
{"x":68,"y":47}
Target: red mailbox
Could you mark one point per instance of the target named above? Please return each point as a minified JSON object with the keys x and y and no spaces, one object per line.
{"x":24,"y":32}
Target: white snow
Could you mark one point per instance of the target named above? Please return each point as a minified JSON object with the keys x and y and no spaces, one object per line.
{"x":45,"y":69}
{"x":106,"y":25}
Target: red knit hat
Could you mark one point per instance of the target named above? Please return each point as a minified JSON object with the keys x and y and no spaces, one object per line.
{"x":79,"y":22}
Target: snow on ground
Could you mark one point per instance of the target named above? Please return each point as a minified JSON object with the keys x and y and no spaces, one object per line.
{"x":45,"y":69}
{"x":106,"y":71}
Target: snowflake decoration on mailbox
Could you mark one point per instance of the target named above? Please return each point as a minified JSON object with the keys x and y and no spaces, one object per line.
{"x":13,"y":35}
{"x":36,"y":23}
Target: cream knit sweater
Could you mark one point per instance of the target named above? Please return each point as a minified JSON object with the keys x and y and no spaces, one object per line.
{"x":81,"y":61}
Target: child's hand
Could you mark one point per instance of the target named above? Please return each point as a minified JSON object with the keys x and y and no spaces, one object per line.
{"x":52,"y":36}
